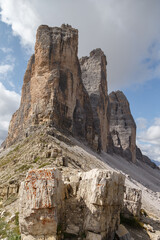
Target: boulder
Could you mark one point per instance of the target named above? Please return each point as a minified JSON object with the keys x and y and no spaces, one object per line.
{"x":96,"y":199}
{"x":87,"y":204}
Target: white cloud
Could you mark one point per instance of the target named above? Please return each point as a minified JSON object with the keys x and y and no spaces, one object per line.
{"x":11,"y":84}
{"x":6,"y":50}
{"x":126,"y":30}
{"x":9,"y":103}
{"x":141,"y":123}
{"x":149,"y":140}
{"x":5,"y":69}
{"x":7,"y":63}
{"x":151,"y":134}
{"x":157,"y":121}
{"x":152,"y":151}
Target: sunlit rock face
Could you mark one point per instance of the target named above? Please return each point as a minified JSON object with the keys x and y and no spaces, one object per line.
{"x":122,"y":126}
{"x":94,"y":77}
{"x":53,"y":92}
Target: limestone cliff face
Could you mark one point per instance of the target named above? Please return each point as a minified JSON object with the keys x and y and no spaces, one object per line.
{"x":53,"y":92}
{"x":122,"y":126}
{"x":94,"y":78}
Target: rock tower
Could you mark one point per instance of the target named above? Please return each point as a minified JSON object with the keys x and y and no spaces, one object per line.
{"x":61,"y":91}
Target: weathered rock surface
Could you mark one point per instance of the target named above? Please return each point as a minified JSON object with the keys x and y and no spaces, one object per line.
{"x":91,"y":206}
{"x":53,"y":92}
{"x":96,"y":197}
{"x":8,"y":190}
{"x":132,"y":202}
{"x":41,"y":198}
{"x":122,"y":126}
{"x":94,"y":78}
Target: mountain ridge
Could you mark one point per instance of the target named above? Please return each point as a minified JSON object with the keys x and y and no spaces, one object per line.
{"x":68,"y":123}
{"x":72,"y":94}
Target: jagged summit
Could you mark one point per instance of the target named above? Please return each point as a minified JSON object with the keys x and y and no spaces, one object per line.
{"x":94,"y":77}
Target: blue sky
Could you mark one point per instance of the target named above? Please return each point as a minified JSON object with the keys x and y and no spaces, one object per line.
{"x":11,"y":53}
{"x":127,"y":31}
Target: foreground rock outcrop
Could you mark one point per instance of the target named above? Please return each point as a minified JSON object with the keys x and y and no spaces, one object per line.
{"x":122,"y":126}
{"x":84,"y":206}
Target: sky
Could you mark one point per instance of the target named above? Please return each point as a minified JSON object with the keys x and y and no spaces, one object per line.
{"x":128,"y":31}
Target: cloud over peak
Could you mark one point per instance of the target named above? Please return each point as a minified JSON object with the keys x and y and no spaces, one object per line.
{"x":127,"y":31}
{"x":5,"y":68}
{"x":149,"y":140}
{"x":9,"y":103}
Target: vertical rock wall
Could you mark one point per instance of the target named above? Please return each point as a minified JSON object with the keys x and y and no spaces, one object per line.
{"x":94,"y":78}
{"x":122,"y":126}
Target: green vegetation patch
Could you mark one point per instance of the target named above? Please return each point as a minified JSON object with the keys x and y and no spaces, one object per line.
{"x":36,"y":159}
{"x":5,"y":161}
{"x":14,"y":150}
{"x":7,"y":232}
{"x":44,"y":164}
{"x":24,"y":168}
